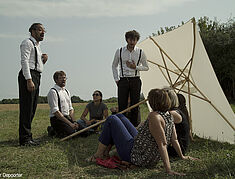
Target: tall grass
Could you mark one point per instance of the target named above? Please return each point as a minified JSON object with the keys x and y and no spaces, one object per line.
{"x":55,"y":159}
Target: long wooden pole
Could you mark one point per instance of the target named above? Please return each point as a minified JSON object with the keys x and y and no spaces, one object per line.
{"x":102,"y":121}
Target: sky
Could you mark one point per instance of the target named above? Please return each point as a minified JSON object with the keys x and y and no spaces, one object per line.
{"x":83,"y":35}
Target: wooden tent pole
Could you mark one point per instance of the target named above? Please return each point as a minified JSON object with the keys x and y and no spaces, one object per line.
{"x":223,"y":116}
{"x":207,"y":100}
{"x":189,"y":81}
{"x":166,"y":68}
{"x":102,"y":121}
{"x":190,"y":114}
{"x":185,"y":80}
{"x":164,"y":76}
{"x":166,"y":55}
{"x":182,"y":72}
{"x":193,"y":95}
{"x":162,"y":67}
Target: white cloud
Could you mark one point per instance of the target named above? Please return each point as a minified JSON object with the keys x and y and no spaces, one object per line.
{"x":85,"y":8}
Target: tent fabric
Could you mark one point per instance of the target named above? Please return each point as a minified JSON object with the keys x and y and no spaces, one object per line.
{"x":178,"y":59}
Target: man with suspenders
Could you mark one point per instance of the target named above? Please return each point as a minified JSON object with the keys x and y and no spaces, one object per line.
{"x":130,"y":60}
{"x":32,"y":61}
{"x":61,"y":111}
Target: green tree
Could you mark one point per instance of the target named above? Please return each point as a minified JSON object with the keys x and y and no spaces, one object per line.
{"x":42,"y":99}
{"x":76,"y":99}
{"x":219,"y":41}
{"x":110,"y":100}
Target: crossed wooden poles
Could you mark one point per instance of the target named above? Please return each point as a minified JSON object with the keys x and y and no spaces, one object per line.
{"x":102,"y":121}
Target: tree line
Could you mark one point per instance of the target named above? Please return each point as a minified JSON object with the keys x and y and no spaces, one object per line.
{"x":219,"y":41}
{"x":43,"y":99}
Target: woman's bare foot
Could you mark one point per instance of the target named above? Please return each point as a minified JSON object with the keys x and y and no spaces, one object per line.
{"x":94,"y":157}
{"x":91,"y":159}
{"x":106,"y":155}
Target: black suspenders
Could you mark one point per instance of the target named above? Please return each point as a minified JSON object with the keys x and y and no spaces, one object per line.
{"x":36,"y":55}
{"x":59,"y":105}
{"x":138,"y":61}
{"x":121,"y":61}
{"x":136,"y":64}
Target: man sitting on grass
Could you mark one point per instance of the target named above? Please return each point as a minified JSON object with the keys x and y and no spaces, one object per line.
{"x":62,"y":117}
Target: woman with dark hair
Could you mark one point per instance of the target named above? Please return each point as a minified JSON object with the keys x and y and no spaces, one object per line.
{"x":97,"y":111}
{"x":147,"y":145}
{"x":178,"y":106}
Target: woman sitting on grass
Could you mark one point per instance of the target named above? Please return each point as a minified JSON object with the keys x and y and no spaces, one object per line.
{"x":178,"y":105}
{"x":148,"y":145}
{"x":96,"y":109}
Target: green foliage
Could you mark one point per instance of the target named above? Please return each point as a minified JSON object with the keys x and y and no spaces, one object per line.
{"x":110,"y":100}
{"x":76,"y":99}
{"x":10,"y":101}
{"x":233,"y":107}
{"x":42,"y":99}
{"x":219,"y":41}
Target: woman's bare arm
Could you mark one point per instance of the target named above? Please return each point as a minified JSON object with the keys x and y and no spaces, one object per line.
{"x":175,"y":143}
{"x":106,"y":113}
{"x":177,"y":148}
{"x":84,"y":114}
{"x":176,"y":116}
{"x":156,"y":127}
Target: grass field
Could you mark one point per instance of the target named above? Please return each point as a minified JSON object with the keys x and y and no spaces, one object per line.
{"x":55,"y":159}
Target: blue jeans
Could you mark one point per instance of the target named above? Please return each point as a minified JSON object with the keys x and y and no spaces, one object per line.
{"x":118,"y":130}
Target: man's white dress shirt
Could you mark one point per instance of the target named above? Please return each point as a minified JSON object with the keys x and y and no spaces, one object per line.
{"x":65,"y":101}
{"x":28,"y":57}
{"x":129,"y":56}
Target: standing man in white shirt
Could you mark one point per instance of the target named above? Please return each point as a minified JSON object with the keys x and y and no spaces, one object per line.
{"x":32,"y":61}
{"x":61,"y":111}
{"x":131,"y":60}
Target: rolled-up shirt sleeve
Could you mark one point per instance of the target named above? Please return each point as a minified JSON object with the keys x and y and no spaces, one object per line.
{"x":70,"y":102}
{"x":115,"y":65}
{"x":52,"y":99}
{"x":144,"y":64}
{"x":25,"y":49}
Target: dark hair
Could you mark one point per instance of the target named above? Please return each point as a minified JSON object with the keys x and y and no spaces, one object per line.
{"x":34,"y":27}
{"x":57,"y":74}
{"x":182,"y":100}
{"x":182,"y":106}
{"x":132,"y":35}
{"x":99,"y":94}
{"x":159,"y":100}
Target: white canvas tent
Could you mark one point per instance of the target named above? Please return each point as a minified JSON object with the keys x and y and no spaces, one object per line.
{"x":178,"y":59}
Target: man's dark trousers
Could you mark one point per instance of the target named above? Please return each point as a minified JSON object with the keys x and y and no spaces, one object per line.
{"x":132,"y":86}
{"x":28,"y":104}
{"x":62,"y":128}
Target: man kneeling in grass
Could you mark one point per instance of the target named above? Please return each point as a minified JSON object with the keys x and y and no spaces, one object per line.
{"x":61,"y":111}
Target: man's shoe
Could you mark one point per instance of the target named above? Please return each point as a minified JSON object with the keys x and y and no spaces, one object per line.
{"x":29,"y":143}
{"x":36,"y":141}
{"x":51,"y":131}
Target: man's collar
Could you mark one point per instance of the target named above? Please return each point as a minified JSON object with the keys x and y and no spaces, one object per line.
{"x":34,"y":40}
{"x":125,"y":48}
{"x":58,"y":87}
